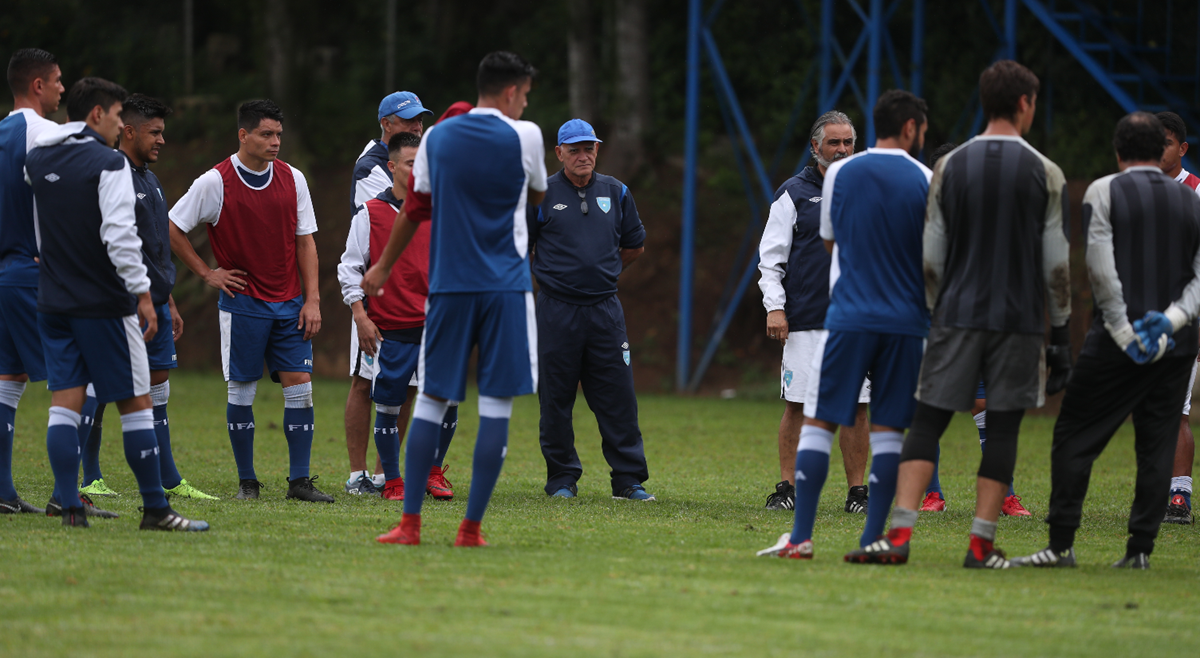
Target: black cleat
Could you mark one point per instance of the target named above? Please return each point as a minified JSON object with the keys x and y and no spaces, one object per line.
{"x":19,"y":506}
{"x":995,"y":559}
{"x":1137,"y":561}
{"x":783,"y":498}
{"x":89,"y":508}
{"x":303,"y":489}
{"x":880,"y":551}
{"x":248,"y":489}
{"x":74,"y":517}
{"x":1046,"y":558}
{"x":169,"y":520}
{"x":1178,"y":511}
{"x":856,"y":500}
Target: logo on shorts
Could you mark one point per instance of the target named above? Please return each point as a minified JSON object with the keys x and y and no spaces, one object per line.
{"x":604,"y":203}
{"x":787,"y":378}
{"x":560,"y":206}
{"x":625,"y":355}
{"x":52,"y":177}
{"x":369,"y":359}
{"x":308,"y":362}
{"x":174,"y":358}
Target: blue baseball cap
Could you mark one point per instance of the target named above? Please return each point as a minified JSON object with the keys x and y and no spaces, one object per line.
{"x":577,"y":130}
{"x":403,"y":103}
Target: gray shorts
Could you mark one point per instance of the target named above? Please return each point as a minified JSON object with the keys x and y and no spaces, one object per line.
{"x":1012,"y":366}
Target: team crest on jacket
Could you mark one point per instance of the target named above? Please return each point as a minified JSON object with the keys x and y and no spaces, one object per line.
{"x":625,"y":355}
{"x":604,"y":203}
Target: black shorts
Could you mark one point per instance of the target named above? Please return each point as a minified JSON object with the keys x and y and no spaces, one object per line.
{"x":1013,"y":366}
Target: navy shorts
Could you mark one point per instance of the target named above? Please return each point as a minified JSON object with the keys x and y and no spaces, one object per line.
{"x":504,"y":327}
{"x":107,"y":352}
{"x":161,"y":348}
{"x":894,"y":363}
{"x":20,"y":340}
{"x":395,"y":365}
{"x":247,"y":341}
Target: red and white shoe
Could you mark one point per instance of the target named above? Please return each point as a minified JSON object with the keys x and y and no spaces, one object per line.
{"x":469,"y":535}
{"x":394,"y":489}
{"x":786,"y":549}
{"x":407,"y":532}
{"x":1013,"y":507}
{"x":933,"y":502}
{"x":438,"y":486}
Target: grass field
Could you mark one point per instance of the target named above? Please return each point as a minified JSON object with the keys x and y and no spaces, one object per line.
{"x":589,"y":577}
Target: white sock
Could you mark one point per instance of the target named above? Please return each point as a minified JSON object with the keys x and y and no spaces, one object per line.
{"x":378,"y":480}
{"x":354,"y":475}
{"x":1182,"y":483}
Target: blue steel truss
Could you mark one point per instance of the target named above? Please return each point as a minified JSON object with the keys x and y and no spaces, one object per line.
{"x":1130,"y":54}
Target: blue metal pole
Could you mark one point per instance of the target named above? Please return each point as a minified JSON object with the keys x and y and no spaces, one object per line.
{"x":739,"y":119}
{"x":687,"y":244}
{"x":1010,"y":29}
{"x":876,"y":30}
{"x":824,"y":102}
{"x":917,"y":75}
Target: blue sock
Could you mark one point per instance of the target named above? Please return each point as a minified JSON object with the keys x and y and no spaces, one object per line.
{"x":387,"y":443}
{"x":298,"y":427}
{"x":935,"y":483}
{"x":62,"y":445}
{"x":885,"y":466}
{"x":981,"y":425}
{"x":490,"y":448}
{"x":812,"y":467}
{"x":166,"y":461}
{"x":8,"y":419}
{"x":449,"y":424}
{"x":89,"y":440}
{"x":141,"y":451}
{"x":241,"y":437}
{"x":418,"y":458}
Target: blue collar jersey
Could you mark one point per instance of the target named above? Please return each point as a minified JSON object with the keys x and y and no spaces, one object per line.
{"x":577,"y":258}
{"x":18,"y":238}
{"x":153,"y":228}
{"x":873,"y":208}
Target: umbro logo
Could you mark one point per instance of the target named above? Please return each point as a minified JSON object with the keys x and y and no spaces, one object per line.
{"x":560,"y":206}
{"x":816,"y":199}
{"x":52,"y":177}
{"x":141,"y":195}
{"x":624,"y":346}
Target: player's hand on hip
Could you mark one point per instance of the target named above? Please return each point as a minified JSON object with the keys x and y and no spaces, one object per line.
{"x":148,"y":317}
{"x":369,"y":336}
{"x":373,"y":280}
{"x":777,"y":326}
{"x":310,"y":319}
{"x":226,"y":280}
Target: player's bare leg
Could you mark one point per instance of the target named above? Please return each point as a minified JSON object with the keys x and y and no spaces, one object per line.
{"x":855,"y":444}
{"x":358,"y":433}
{"x":784,"y":496}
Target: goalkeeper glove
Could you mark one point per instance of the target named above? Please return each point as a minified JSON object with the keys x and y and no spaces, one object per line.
{"x":1058,"y":359}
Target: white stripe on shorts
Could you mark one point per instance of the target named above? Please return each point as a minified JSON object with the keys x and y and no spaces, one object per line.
{"x":531,"y":332}
{"x":226,"y":322}
{"x":139,"y":362}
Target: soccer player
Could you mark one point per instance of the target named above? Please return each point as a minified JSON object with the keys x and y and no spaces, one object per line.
{"x":481,"y":169}
{"x":1143,"y":254}
{"x":872,"y":213}
{"x":795,"y":287}
{"x":92,"y":291}
{"x":587,"y":230}
{"x":399,"y":112}
{"x":1179,"y":505}
{"x":260,"y":224}
{"x":993,"y":271}
{"x":391,"y":326}
{"x":36,"y":83}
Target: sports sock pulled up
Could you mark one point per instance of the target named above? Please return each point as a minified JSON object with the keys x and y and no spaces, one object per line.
{"x":299,"y":423}
{"x":159,"y":394}
{"x":141,"y":452}
{"x":62,"y":446}
{"x":10,"y":397}
{"x":423,"y":434}
{"x":449,"y":424}
{"x":89,"y":437}
{"x":885,"y":467}
{"x":491,"y":446}
{"x":241,"y":438}
{"x":387,"y":440}
{"x":812,"y":468}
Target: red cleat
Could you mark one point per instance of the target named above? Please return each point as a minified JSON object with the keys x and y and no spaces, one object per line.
{"x":394,"y":489}
{"x":1013,"y":507}
{"x":469,"y":535}
{"x":933,"y":502}
{"x":407,"y":532}
{"x":438,"y":486}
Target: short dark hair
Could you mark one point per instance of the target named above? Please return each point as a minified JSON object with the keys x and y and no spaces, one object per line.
{"x":402,"y":140}
{"x":1140,"y":137}
{"x":894,"y":108}
{"x":939,"y":152}
{"x":1001,"y":87}
{"x":139,"y":108}
{"x":1173,"y":123}
{"x":502,"y":69}
{"x":27,"y":65}
{"x":89,"y":92}
{"x":252,"y":113}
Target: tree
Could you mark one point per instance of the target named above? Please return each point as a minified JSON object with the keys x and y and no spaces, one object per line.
{"x":581,"y":60}
{"x":631,"y":119}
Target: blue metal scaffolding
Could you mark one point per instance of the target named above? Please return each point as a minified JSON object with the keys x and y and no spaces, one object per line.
{"x":1115,"y":48}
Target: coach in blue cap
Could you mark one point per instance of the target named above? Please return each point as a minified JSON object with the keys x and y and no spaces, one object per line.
{"x":586,"y":231}
{"x":399,"y":112}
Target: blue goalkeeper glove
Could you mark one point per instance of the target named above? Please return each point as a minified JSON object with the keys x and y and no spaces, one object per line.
{"x":1155,"y":324}
{"x":1137,"y":344}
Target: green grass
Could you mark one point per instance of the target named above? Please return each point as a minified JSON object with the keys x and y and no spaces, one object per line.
{"x":588,"y":577}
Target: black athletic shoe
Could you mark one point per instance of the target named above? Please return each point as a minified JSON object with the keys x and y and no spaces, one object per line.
{"x":856,"y":500}
{"x":783,"y":498}
{"x":880,"y":551}
{"x":303,"y":489}
{"x":995,"y":559}
{"x":74,"y":517}
{"x":19,"y":506}
{"x":89,"y":508}
{"x":169,"y":520}
{"x":1178,"y":511}
{"x":1046,"y":558}
{"x":1138,"y":561}
{"x":248,"y":489}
